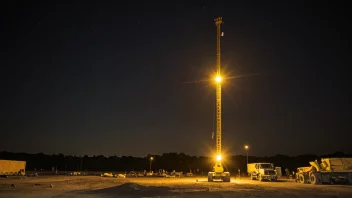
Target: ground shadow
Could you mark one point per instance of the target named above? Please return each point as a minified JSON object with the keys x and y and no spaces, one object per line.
{"x":133,"y":190}
{"x":277,"y":181}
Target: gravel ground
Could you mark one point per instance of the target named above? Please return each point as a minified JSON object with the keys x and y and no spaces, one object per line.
{"x":94,"y":187}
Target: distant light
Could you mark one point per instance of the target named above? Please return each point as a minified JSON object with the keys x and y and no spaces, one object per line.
{"x":246,"y":147}
{"x":218,"y":79}
{"x":151,"y":158}
{"x":218,"y":157}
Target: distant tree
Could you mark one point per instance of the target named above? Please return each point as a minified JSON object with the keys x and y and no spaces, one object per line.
{"x":167,"y":161}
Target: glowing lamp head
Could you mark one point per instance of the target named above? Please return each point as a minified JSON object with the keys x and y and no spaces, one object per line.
{"x":246,"y":147}
{"x":218,"y":157}
{"x":151,"y":158}
{"x":218,"y":79}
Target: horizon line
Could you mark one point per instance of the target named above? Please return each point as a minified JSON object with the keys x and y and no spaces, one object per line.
{"x":279,"y":154}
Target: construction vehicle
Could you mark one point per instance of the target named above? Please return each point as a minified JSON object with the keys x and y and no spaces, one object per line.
{"x":262,"y":171}
{"x":12,"y":167}
{"x":304,"y":171}
{"x":217,"y":173}
{"x":328,"y":170}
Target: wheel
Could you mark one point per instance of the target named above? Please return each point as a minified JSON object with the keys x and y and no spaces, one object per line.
{"x":313,"y":179}
{"x":252,"y":177}
{"x":301,"y":179}
{"x":227,"y":177}
{"x":210,"y":177}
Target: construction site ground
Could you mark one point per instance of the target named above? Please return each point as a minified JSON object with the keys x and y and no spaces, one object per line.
{"x":95,"y":186}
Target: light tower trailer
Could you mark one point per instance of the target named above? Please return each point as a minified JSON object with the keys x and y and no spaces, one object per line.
{"x":217,"y":173}
{"x":329,"y":170}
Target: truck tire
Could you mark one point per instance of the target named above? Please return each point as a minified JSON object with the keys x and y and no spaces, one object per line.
{"x":252,"y":178}
{"x":314,"y":179}
{"x":301,"y":179}
{"x":227,"y":177}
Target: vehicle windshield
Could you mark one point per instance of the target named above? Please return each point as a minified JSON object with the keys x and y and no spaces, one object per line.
{"x":266,"y":166}
{"x":270,"y":172}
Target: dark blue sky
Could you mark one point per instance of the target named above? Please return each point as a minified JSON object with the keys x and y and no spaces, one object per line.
{"x":108,"y":77}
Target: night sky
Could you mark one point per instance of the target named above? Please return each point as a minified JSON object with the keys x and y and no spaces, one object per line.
{"x":110,"y":77}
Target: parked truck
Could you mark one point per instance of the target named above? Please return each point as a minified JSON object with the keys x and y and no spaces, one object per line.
{"x":262,"y":171}
{"x":328,"y":170}
{"x":12,"y":167}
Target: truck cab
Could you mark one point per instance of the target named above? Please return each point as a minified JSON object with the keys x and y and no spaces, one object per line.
{"x":262,"y":171}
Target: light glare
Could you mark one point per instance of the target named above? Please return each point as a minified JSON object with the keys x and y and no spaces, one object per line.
{"x":218,"y":79}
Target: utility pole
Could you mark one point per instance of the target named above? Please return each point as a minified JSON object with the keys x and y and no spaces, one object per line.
{"x":246,"y":147}
{"x":150,"y":164}
{"x":247,"y":155}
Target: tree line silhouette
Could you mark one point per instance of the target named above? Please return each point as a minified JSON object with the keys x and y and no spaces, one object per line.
{"x":166,"y":161}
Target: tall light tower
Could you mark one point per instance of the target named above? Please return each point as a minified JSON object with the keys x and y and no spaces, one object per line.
{"x":218,"y":170}
{"x":218,"y":22}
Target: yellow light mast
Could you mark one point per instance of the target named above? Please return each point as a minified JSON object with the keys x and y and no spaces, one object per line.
{"x":218,"y":170}
{"x":218,"y":22}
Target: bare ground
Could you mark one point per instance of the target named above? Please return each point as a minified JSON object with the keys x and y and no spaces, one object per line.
{"x":94,"y":187}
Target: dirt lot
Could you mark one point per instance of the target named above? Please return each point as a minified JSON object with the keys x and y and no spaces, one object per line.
{"x":94,"y":187}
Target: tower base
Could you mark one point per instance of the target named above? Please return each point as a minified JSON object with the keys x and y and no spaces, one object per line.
{"x":218,"y":174}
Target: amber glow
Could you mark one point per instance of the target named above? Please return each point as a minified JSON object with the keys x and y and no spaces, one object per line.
{"x":218,"y":79}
